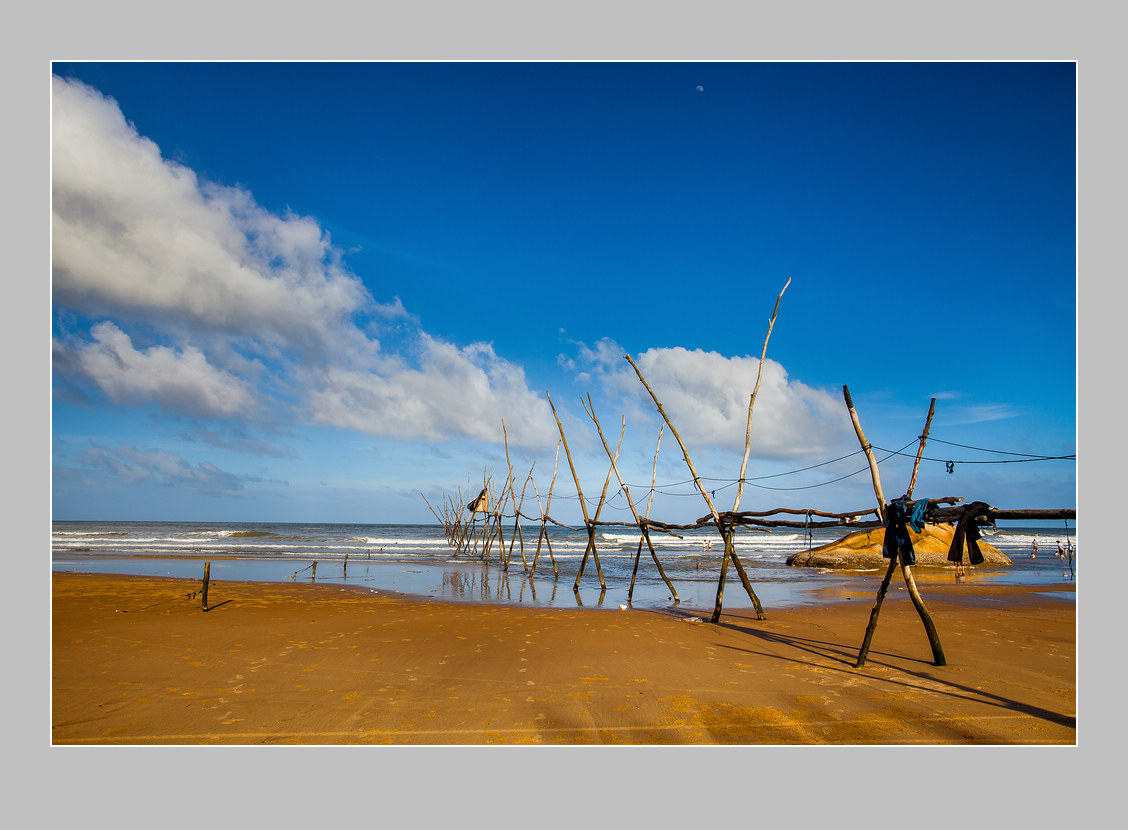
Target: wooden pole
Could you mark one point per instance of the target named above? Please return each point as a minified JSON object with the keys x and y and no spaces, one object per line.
{"x":727,"y":532}
{"x":868,"y":450}
{"x":599,"y":509}
{"x":881,"y":515}
{"x":590,"y":409}
{"x":705,"y":495}
{"x":583,"y":504}
{"x":906,"y":570}
{"x":544,"y":518}
{"x":752,"y":401}
{"x":204,"y":592}
{"x":914,"y":594}
{"x":920,"y":448}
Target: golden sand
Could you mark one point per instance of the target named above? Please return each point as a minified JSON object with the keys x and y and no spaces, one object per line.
{"x":136,"y":661}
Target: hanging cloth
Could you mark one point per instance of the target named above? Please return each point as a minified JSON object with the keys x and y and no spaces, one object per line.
{"x":967,"y":533}
{"x":897,"y":539}
{"x":916,"y":521}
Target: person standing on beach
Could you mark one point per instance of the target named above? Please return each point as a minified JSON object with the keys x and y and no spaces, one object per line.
{"x":1033,"y":548}
{"x":1060,"y":550}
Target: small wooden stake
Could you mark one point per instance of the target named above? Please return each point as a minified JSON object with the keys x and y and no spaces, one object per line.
{"x":207,"y":579}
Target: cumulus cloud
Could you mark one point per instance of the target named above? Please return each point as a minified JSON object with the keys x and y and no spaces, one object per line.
{"x":136,"y":234}
{"x":178,"y":381}
{"x":466,"y":391}
{"x":706,"y":397}
{"x":254,"y":314}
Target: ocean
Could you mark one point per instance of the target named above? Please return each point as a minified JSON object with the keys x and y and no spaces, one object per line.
{"x":417,"y":560}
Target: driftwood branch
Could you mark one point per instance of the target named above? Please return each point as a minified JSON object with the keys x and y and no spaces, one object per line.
{"x":752,"y":401}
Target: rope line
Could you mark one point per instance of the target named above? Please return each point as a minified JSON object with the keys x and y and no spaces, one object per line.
{"x":995,"y":461}
{"x":726,"y":483}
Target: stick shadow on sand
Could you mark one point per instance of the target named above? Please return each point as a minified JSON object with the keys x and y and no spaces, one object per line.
{"x":841,"y":653}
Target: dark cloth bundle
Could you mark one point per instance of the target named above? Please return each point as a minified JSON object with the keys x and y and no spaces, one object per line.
{"x":967,"y":533}
{"x":898,"y":519}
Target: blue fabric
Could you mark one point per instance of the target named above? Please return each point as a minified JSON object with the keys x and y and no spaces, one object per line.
{"x":916,"y":521}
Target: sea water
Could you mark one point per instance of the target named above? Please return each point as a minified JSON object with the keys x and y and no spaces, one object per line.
{"x":420,"y":560}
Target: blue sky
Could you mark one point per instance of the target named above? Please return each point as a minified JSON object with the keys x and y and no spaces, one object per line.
{"x":314,"y":292}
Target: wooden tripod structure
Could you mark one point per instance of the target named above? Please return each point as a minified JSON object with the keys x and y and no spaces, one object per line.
{"x":642,"y":526}
{"x":544,"y":519}
{"x":589,"y":523}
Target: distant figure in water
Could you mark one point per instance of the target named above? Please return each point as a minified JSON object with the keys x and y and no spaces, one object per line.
{"x":1060,"y":550}
{"x":1033,"y":548}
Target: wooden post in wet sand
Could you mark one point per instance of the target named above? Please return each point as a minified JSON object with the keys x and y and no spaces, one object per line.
{"x":588,"y":524}
{"x":642,"y":526}
{"x":204,"y":592}
{"x":722,"y":527}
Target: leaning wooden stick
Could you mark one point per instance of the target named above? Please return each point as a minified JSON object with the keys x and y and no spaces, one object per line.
{"x":910,"y":583}
{"x":918,"y":603}
{"x":544,"y":519}
{"x":728,"y":532}
{"x":583,"y":504}
{"x":590,"y":409}
{"x":595,"y":520}
{"x":752,"y":402}
{"x":646,"y":518}
{"x":717,"y":520}
{"x":868,"y":450}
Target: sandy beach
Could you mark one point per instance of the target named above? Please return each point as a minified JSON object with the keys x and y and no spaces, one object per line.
{"x":136,"y":661}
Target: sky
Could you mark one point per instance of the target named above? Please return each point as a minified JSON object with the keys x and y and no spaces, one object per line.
{"x":343,"y":292}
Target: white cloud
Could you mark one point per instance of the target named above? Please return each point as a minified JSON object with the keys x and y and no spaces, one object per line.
{"x":454,"y":391}
{"x":135,"y":234}
{"x":706,"y":396}
{"x":261,"y":314}
{"x":181,"y":382}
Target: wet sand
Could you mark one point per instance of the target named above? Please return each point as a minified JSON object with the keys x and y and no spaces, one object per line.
{"x":136,"y":661}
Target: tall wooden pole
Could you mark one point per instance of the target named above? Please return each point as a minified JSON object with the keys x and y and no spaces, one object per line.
{"x":590,"y":409}
{"x":544,"y":519}
{"x":752,"y":402}
{"x":583,"y":504}
{"x":910,"y":583}
{"x":729,"y":552}
{"x":868,"y":450}
{"x":906,"y":570}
